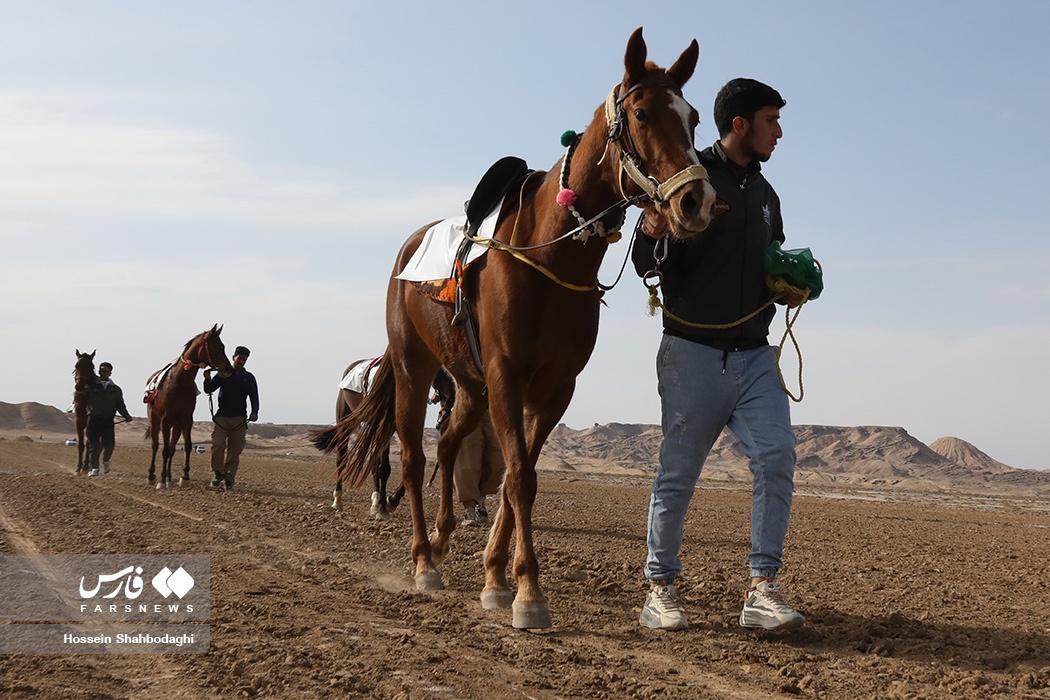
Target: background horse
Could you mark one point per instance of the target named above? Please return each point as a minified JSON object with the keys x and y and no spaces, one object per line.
{"x":345,"y":403}
{"x":171,"y":397}
{"x":83,"y":377}
{"x":537,"y":322}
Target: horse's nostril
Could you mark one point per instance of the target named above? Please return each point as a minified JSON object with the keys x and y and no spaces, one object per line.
{"x":690,"y":204}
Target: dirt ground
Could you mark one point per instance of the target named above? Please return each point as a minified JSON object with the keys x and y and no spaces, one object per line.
{"x":905,"y":597}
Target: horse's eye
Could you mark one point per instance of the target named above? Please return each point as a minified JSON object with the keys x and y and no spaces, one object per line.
{"x":640,"y":114}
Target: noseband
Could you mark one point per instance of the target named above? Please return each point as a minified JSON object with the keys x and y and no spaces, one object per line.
{"x":631,"y":163}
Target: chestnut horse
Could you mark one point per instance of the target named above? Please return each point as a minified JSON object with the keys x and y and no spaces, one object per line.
{"x":537,"y":312}
{"x":83,"y":377}
{"x":382,"y":505}
{"x":173,"y":396}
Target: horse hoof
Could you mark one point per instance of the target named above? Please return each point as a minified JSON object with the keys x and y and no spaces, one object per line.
{"x":381,"y":515}
{"x":183,"y":481}
{"x":336,"y":505}
{"x":430,"y":581}
{"x":162,"y":485}
{"x":496,"y":598}
{"x":531,"y":616}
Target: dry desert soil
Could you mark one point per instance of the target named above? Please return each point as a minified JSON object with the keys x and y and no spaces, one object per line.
{"x":906,"y":595}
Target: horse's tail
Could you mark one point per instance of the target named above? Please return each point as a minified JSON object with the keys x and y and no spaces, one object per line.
{"x":366,"y":430}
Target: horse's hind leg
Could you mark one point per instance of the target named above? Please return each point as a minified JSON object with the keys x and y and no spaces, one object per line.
{"x":337,"y":495}
{"x":380,"y":509}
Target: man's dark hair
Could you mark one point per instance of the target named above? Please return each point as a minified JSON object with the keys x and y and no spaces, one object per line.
{"x":742,"y":97}
{"x":106,"y":365}
{"x":241,"y":350}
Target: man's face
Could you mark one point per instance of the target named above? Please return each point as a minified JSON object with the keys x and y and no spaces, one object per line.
{"x":763,"y":133}
{"x":238,"y":361}
{"x":104,"y":372}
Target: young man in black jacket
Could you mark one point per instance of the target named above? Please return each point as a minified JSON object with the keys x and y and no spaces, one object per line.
{"x":714,"y":371}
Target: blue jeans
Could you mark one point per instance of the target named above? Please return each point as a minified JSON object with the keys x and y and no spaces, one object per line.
{"x":702,"y":391}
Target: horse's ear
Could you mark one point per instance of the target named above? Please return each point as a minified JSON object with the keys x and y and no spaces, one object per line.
{"x":683,"y":68}
{"x":216,"y":329}
{"x":634,"y":59}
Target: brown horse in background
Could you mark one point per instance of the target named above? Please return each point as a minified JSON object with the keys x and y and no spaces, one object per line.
{"x":83,"y":378}
{"x":171,"y":397}
{"x":537,"y":314}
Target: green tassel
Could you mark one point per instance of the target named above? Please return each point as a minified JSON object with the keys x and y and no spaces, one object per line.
{"x":568,"y":138}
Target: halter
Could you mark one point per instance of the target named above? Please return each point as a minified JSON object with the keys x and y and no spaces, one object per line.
{"x":631,"y":163}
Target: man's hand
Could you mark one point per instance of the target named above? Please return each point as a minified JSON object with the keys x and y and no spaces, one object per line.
{"x":654,"y":224}
{"x":792,"y":298}
{"x":207,"y":373}
{"x":253,"y":417}
{"x":127,"y":419}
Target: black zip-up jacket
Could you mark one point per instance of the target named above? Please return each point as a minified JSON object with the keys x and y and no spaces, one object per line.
{"x":718,"y":276}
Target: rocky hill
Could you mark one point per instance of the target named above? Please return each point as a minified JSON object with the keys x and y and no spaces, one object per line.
{"x":855,"y":457}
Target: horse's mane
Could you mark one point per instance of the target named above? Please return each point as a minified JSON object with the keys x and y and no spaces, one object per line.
{"x":189,"y":343}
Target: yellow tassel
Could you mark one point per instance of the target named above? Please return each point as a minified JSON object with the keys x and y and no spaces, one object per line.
{"x":654,"y":301}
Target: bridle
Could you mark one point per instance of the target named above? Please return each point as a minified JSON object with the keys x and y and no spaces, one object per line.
{"x":203,"y":355}
{"x":631,"y":163}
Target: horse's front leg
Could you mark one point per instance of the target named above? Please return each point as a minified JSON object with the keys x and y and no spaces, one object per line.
{"x":522,"y":440}
{"x":153,"y":459}
{"x":187,"y":443}
{"x":167,"y":456}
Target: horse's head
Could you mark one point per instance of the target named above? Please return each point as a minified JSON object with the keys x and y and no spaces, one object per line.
{"x":652,"y":125}
{"x":207,"y":350}
{"x":84,"y":370}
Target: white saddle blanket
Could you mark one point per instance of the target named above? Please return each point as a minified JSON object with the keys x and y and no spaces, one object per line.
{"x":435,"y":257}
{"x":360,"y":376}
{"x":157,"y":378}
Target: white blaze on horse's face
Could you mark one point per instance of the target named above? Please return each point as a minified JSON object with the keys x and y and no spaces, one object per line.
{"x":685,"y":110}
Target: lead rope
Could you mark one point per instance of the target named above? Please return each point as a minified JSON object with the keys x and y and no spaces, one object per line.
{"x":782,"y":288}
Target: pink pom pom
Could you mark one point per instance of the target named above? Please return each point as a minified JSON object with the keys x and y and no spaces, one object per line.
{"x":566,"y":198}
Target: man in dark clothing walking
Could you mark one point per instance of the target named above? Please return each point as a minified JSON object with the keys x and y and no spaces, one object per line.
{"x":231,"y":420}
{"x":105,"y":400}
{"x":716,"y":369}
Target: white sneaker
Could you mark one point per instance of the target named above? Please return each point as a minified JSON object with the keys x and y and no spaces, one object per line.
{"x":661,"y":610}
{"x":93,"y":472}
{"x":766,"y":609}
{"x":105,"y":467}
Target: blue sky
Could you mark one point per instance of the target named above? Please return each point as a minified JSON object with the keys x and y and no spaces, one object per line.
{"x":166,"y":166}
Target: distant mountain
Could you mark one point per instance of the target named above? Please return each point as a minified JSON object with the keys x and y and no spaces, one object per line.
{"x":863,"y":456}
{"x":35,"y":417}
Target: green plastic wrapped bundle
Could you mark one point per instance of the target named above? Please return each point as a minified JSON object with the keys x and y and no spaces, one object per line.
{"x":796,"y":268}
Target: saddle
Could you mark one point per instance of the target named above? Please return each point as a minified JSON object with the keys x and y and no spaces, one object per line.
{"x":489,"y":192}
